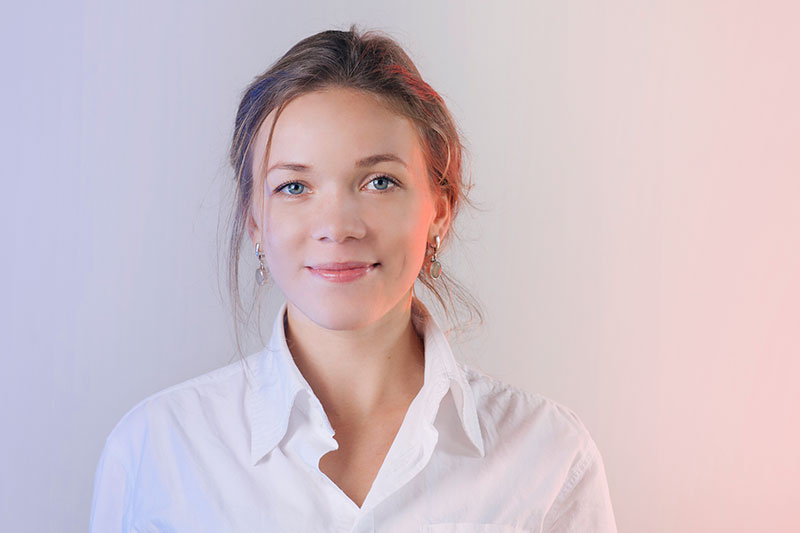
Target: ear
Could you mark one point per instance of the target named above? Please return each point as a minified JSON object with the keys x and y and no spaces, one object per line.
{"x":252,"y":228}
{"x":441,"y":222}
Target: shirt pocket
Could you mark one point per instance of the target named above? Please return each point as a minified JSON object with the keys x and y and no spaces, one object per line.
{"x":470,"y":527}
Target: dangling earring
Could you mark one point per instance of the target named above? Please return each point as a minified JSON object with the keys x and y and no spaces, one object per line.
{"x":261,"y":273}
{"x":436,"y":266}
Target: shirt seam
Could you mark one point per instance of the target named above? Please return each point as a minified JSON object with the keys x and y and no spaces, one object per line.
{"x":572,"y":481}
{"x":135,"y":490}
{"x":202,"y":379}
{"x":496,"y":383}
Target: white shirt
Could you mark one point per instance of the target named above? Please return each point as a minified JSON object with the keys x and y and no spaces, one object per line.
{"x":237,"y":450}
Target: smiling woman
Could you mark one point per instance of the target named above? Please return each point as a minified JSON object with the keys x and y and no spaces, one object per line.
{"x":369,"y":117}
{"x":356,"y":416}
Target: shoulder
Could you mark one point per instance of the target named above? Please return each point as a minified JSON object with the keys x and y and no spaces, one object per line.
{"x":546,"y":440}
{"x":191,"y":402}
{"x":511,"y":414}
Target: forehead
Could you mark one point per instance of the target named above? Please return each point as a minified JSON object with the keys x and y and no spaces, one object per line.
{"x":336,"y":126}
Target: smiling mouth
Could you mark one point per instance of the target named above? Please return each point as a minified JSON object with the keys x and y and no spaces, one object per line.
{"x":343,"y":274}
{"x":349,"y":265}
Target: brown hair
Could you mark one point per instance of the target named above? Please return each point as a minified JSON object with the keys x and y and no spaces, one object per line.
{"x":368,"y":61}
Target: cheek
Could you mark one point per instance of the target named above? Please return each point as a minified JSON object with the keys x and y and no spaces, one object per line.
{"x":283,"y":236}
{"x":413,"y":212}
{"x":405,"y":238}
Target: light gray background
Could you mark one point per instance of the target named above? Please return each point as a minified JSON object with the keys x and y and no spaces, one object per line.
{"x":638,"y":259}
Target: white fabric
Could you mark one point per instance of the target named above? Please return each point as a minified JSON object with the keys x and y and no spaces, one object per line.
{"x":215,"y":454}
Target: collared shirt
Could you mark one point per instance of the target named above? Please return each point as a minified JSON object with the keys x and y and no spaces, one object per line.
{"x":238,"y":449}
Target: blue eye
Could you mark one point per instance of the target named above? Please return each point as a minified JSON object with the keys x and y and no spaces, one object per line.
{"x":386,"y":179}
{"x":285,"y":185}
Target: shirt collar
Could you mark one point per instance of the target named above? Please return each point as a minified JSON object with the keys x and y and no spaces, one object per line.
{"x":274,"y":382}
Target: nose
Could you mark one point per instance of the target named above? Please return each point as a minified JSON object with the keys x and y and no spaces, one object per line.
{"x":338,"y":219}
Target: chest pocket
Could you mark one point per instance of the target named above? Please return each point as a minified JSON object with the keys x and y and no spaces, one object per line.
{"x":470,"y":527}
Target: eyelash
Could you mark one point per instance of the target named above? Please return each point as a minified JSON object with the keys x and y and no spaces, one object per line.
{"x":384,"y":176}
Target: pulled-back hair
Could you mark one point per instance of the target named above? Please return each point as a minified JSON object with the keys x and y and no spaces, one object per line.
{"x":374,"y":63}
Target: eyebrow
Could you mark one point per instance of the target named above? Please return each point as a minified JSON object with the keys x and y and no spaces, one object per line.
{"x":361,"y":163}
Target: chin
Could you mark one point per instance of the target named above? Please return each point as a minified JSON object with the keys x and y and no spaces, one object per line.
{"x":336,"y":313}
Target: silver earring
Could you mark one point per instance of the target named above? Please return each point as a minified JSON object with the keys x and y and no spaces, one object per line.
{"x":436,"y":266}
{"x":261,"y":273}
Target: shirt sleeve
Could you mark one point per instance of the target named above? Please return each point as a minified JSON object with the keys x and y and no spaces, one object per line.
{"x":113,"y":489}
{"x":584,"y":503}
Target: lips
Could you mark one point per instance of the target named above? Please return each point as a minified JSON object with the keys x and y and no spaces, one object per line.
{"x":346,"y":265}
{"x":343,"y":272}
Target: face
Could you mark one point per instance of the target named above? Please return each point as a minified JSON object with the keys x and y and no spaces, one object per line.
{"x":321,"y":199}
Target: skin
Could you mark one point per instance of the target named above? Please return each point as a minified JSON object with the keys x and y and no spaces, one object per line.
{"x":353,"y":342}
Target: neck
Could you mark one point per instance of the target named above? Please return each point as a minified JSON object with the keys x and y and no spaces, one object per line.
{"x":359,"y":374}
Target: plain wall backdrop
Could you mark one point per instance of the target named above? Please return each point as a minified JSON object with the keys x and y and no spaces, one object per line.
{"x":638,"y":259}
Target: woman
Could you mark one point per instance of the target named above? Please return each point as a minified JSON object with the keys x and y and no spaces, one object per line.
{"x":356,"y":416}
